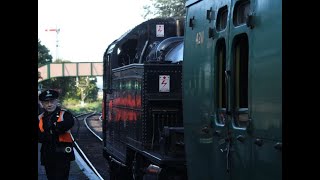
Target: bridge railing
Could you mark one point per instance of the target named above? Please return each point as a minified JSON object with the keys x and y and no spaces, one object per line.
{"x":69,"y":69}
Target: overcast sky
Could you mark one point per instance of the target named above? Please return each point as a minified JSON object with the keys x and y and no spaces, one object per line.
{"x":87,"y":27}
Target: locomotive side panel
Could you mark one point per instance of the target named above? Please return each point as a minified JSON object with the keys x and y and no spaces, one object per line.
{"x":234,"y":132}
{"x":203,"y":149}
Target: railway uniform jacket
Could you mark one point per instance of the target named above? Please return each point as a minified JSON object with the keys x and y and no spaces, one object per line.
{"x":53,"y":133}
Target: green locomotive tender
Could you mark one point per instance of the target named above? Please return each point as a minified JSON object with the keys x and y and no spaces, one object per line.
{"x":232,"y":89}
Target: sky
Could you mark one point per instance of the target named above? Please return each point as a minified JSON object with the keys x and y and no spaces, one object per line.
{"x":87,"y":27}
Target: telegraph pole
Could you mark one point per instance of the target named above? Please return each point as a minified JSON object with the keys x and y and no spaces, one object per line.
{"x":82,"y":85}
{"x":57,"y":43}
{"x":57,"y":30}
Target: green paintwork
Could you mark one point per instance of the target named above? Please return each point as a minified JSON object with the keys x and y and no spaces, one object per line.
{"x":248,"y":161}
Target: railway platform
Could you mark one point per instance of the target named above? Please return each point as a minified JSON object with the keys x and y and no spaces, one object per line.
{"x":78,"y":169}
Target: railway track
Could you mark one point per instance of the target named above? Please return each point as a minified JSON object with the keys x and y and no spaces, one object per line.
{"x":88,"y":142}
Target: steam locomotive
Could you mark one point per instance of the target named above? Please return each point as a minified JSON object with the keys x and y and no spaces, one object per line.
{"x":199,"y":98}
{"x":142,"y":102}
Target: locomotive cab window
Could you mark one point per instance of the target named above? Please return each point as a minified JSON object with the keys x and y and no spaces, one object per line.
{"x":222,"y":18}
{"x":241,"y":11}
{"x":220,"y":80}
{"x":240,"y":80}
{"x":126,"y":53}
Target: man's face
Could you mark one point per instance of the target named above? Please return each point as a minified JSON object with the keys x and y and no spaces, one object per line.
{"x":50,"y":105}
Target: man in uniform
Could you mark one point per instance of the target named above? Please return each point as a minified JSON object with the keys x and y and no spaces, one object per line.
{"x":54,"y":134}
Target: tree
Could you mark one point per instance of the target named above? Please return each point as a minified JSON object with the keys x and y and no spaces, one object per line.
{"x":66,"y":85}
{"x":43,"y":55}
{"x":87,"y":89}
{"x":165,"y":8}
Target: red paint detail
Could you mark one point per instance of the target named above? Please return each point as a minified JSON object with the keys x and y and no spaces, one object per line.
{"x":110,"y":108}
{"x":102,"y":110}
{"x":51,"y":30}
{"x":125,"y":114}
{"x":122,"y":113}
{"x":129,"y":101}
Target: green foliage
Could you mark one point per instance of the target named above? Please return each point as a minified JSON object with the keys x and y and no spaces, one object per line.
{"x":165,"y":8}
{"x":78,"y":109}
{"x":70,"y":102}
{"x":67,"y":86}
{"x":43,"y":55}
{"x":87,"y":89}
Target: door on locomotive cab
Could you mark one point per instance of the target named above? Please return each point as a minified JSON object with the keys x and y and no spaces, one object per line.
{"x":203,"y":150}
{"x":239,"y":148}
{"x":219,"y":119}
{"x":254,"y":90}
{"x":232,"y":143}
{"x":265,"y":64}
{"x":241,"y":76}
